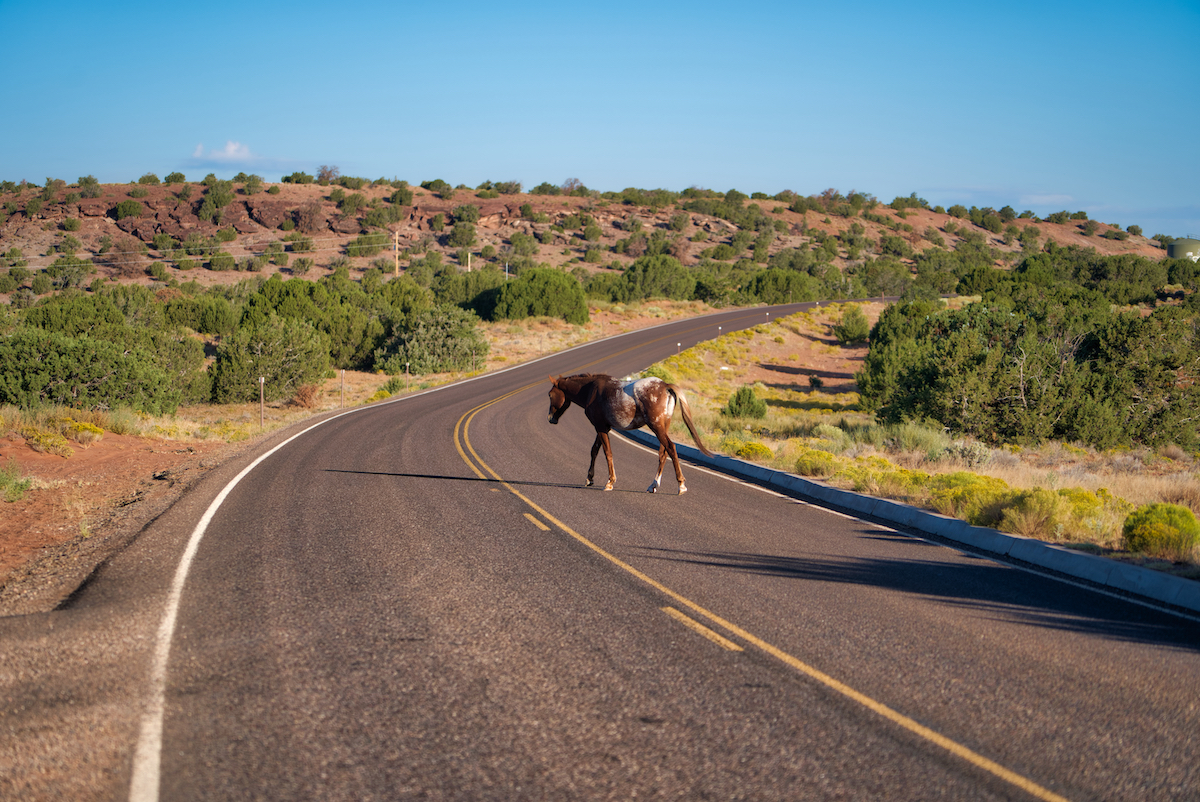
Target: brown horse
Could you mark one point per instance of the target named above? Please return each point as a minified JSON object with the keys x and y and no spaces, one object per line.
{"x":613,"y":404}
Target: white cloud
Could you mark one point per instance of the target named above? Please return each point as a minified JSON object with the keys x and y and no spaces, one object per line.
{"x":236,"y":156}
{"x":233,"y":152}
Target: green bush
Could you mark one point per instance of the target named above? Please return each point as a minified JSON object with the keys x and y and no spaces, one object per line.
{"x":299,"y":242}
{"x":175,"y":178}
{"x":40,"y":367}
{"x":89,"y":186}
{"x":745,"y":403}
{"x":539,"y":292}
{"x":755,"y":451}
{"x":467,"y":213}
{"x":812,"y":462}
{"x":71,"y":224}
{"x":12,"y":486}
{"x":853,"y":328}
{"x":367,"y":245}
{"x":462,"y":235}
{"x":1166,"y":531}
{"x":287,"y":352}
{"x":437,"y":340}
{"x":130,"y":208}
{"x":221,"y":261}
{"x":149,"y":178}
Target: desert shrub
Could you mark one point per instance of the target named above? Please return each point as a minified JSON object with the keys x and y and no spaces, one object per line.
{"x":467,"y":213}
{"x":221,"y":261}
{"x":130,"y":208}
{"x":366,"y":245}
{"x":462,"y":235}
{"x":149,"y":178}
{"x":89,"y":186}
{"x":830,"y":438}
{"x":12,"y":485}
{"x":287,"y":352}
{"x":310,"y":217}
{"x":402,"y":197}
{"x":745,"y":403}
{"x":275,"y":252}
{"x":1166,"y":531}
{"x":853,"y":328}
{"x":298,"y":178}
{"x":207,"y":314}
{"x":306,"y":395}
{"x":812,"y":462}
{"x":523,"y":244}
{"x":39,"y":367}
{"x":755,"y":451}
{"x":175,"y":178}
{"x":301,"y":266}
{"x":659,"y":276}
{"x":976,"y":499}
{"x":350,"y":205}
{"x":299,"y":242}
{"x":1035,"y":513}
{"x":538,"y":292}
{"x":71,"y":224}
{"x":436,"y":340}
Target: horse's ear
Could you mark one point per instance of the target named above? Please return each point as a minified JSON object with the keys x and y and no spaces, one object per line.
{"x":554,"y":381}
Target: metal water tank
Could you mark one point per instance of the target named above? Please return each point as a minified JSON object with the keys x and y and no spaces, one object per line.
{"x":1184,"y":248}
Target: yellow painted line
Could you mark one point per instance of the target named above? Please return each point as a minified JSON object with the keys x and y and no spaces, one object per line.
{"x":697,"y":627}
{"x":537,"y":523}
{"x":897,"y":718}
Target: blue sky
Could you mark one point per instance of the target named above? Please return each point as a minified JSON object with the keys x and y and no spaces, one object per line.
{"x":1078,"y":106}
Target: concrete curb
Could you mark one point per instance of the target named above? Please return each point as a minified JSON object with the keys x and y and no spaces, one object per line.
{"x":1130,"y":579}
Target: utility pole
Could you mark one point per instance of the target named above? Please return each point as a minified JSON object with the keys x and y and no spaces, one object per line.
{"x":396,"y":253}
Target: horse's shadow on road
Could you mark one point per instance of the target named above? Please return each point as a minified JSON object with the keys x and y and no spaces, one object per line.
{"x":484,"y":480}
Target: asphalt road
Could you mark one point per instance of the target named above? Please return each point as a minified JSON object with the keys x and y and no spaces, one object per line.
{"x":420,"y":600}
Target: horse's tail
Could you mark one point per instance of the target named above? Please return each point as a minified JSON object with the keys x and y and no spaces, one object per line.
{"x":687,"y":418}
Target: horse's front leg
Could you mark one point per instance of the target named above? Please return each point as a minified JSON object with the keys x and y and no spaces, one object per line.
{"x":612,"y":473}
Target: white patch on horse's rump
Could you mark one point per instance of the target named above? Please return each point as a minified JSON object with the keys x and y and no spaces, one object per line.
{"x":640,"y":395}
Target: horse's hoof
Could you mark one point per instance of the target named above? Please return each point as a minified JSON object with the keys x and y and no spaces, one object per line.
{"x":608,"y":486}
{"x":589,"y":483}
{"x":652,"y":489}
{"x":682,"y":489}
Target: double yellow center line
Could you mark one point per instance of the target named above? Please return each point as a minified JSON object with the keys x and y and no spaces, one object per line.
{"x":462,"y":443}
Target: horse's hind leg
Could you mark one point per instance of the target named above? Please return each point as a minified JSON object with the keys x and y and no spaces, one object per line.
{"x":612,"y":472}
{"x":662,"y":459}
{"x":678,"y":470}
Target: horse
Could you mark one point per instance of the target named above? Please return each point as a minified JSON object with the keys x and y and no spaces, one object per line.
{"x":624,"y":405}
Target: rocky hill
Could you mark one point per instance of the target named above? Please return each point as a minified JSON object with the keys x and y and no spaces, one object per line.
{"x":144,"y":232}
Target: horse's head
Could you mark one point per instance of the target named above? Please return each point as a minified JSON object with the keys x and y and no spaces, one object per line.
{"x":558,"y":401}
